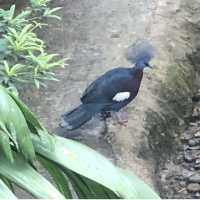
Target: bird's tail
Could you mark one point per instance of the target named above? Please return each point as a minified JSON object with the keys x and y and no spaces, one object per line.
{"x":77,"y":117}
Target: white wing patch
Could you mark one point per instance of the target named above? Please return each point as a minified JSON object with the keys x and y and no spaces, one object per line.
{"x":121,"y":96}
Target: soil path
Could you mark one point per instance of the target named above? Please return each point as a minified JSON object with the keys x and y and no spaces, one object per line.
{"x":95,"y":35}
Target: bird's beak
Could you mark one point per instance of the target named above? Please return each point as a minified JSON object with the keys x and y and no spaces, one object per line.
{"x":150,"y":66}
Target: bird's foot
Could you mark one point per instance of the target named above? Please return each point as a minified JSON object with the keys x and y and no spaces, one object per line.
{"x":121,"y":118}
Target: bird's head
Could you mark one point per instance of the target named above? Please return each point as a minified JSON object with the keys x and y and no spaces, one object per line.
{"x":143,"y":63}
{"x":141,"y":54}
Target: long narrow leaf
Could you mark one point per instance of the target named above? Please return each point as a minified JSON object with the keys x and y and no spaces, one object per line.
{"x":29,"y":116}
{"x":88,"y":163}
{"x":80,"y":188}
{"x":143,"y":191}
{"x":81,"y":159}
{"x":98,"y":191}
{"x":5,"y":146}
{"x":7,"y":182}
{"x":5,"y":193}
{"x":22,"y":174}
{"x":59,"y":177}
{"x":15,"y":123}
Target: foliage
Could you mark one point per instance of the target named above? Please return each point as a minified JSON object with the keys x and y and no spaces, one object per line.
{"x":50,"y":13}
{"x":39,"y":3}
{"x":77,"y":170}
{"x":23,"y":57}
{"x":24,"y":41}
{"x":42,"y":65}
{"x":14,"y":129}
{"x":40,"y":7}
{"x":12,"y":73}
{"x":9,"y":19}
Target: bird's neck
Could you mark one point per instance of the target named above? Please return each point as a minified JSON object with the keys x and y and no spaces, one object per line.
{"x":137,"y":72}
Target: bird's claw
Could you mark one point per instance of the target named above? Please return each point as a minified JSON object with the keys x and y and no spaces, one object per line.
{"x":123,"y":123}
{"x":120,"y":118}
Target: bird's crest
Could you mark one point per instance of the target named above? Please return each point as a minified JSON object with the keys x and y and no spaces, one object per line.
{"x":140,"y":52}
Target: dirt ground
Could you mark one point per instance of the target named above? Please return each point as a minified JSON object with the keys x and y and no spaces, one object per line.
{"x":94,"y":35}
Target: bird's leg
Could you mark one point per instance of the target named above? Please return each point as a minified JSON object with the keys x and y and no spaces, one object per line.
{"x":121,"y":117}
{"x":104,"y":115}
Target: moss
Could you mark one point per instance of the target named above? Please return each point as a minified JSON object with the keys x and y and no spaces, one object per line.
{"x":175,"y":102}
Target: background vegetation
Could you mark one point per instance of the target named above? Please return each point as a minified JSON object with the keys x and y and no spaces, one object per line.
{"x":23,"y":56}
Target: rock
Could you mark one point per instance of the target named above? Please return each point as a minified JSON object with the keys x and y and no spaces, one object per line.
{"x":185,"y":137}
{"x":193,"y":187}
{"x":196,"y":112}
{"x":197,"y":164}
{"x":187,"y":173}
{"x":197,"y":134}
{"x":193,"y":124}
{"x":195,"y":178}
{"x":197,"y":195}
{"x":194,"y":148}
{"x":188,"y":157}
{"x":194,"y":142}
{"x":115,"y":34}
{"x":196,"y":98}
{"x":182,"y":183}
{"x":197,"y":161}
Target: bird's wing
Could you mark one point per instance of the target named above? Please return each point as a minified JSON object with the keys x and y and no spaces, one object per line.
{"x":106,"y":87}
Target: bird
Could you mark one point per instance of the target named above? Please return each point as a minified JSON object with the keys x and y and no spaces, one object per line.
{"x":113,"y":90}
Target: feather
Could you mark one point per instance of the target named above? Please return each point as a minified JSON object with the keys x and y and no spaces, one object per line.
{"x":121,"y":96}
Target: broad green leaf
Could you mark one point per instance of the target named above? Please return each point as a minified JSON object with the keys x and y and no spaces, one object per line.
{"x":22,"y":174}
{"x":29,"y":116}
{"x":5,"y":193}
{"x":5,"y":146}
{"x":88,"y":163}
{"x":97,"y":190}
{"x":86,"y":188}
{"x":11,"y":115}
{"x":8,"y":183}
{"x":82,"y":191}
{"x":58,"y":175}
{"x":80,"y":159}
{"x":143,"y":191}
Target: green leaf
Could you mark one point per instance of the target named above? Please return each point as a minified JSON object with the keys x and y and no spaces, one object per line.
{"x":143,"y":191}
{"x":3,"y":45}
{"x":22,"y":174}
{"x":59,"y":177}
{"x":7,"y":182}
{"x":80,"y":188}
{"x":37,"y":83}
{"x":29,"y":116}
{"x":79,"y":158}
{"x":96,"y":190}
{"x":12,"y":12}
{"x":5,"y":193}
{"x":5,"y":146}
{"x":12,"y":119}
{"x":88,"y":163}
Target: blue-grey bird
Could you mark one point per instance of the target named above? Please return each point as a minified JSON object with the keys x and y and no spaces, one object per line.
{"x":113,"y":90}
